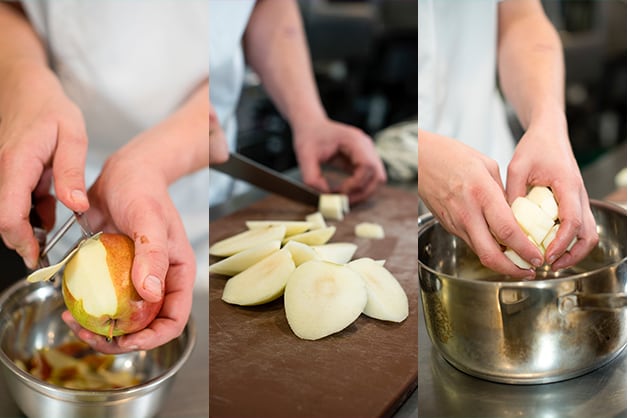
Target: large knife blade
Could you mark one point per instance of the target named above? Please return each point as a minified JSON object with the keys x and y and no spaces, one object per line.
{"x":243,"y":168}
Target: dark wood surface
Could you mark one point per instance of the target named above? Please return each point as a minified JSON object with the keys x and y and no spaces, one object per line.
{"x":259,"y":368}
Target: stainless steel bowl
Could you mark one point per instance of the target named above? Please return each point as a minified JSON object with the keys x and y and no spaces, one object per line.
{"x":558,"y":326}
{"x":30,"y":319}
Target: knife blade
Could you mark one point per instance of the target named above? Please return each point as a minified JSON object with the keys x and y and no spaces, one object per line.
{"x":243,"y":168}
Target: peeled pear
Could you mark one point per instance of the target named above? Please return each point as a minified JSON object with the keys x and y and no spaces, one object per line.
{"x":301,"y":252}
{"x":532,"y":219}
{"x":292,"y":227}
{"x":247,"y":239}
{"x":386,"y":298}
{"x":98,"y":291}
{"x":315,"y":237}
{"x":263,"y":282}
{"x":369,"y":230}
{"x":316,"y":220}
{"x":322,"y":298}
{"x":333,"y":205}
{"x":239,"y":262}
{"x":336,"y":252}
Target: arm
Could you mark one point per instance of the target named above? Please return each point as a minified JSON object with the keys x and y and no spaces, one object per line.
{"x":42,"y":136}
{"x":131,"y":196}
{"x":531,"y":74}
{"x":276,"y":48}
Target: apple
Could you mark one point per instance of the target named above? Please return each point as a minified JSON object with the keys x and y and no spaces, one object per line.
{"x":98,"y":291}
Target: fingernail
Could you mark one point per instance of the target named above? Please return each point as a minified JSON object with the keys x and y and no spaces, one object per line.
{"x":78,"y":196}
{"x":152,"y":285}
{"x":536,"y":262}
{"x":551,"y":259}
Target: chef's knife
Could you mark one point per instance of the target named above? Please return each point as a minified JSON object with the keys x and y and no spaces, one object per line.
{"x":252,"y":172}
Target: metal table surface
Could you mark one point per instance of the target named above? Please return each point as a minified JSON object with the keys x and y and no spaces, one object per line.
{"x":188,"y":395}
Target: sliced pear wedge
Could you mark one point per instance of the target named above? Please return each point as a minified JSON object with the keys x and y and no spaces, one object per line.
{"x":315,"y":237}
{"x":333,"y":206}
{"x":369,"y":230}
{"x":301,"y":252}
{"x":239,"y":262}
{"x":532,"y":219}
{"x":322,"y":298}
{"x":292,"y":227}
{"x":247,"y":239}
{"x":386,"y":298}
{"x":544,"y":198}
{"x":337,"y":252}
{"x":263,"y":282}
{"x":317,"y":220}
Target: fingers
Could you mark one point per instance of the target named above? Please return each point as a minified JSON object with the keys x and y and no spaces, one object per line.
{"x":69,"y":167}
{"x":312,"y":174}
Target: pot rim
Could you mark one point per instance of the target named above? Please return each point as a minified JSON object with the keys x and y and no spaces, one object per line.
{"x":428,"y":220}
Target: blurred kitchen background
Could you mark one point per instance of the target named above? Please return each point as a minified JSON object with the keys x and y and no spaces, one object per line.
{"x":364,"y":54}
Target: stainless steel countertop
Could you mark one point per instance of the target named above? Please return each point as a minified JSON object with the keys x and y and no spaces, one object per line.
{"x":188,"y":395}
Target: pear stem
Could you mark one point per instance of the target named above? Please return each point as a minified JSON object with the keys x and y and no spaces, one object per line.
{"x":112,"y":324}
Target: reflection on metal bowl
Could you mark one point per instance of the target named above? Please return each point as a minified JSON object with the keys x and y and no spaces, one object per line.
{"x":561,"y":325}
{"x":30,"y":319}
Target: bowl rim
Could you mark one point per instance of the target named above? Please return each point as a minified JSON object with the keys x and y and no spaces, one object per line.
{"x":63,"y":393}
{"x":429,"y":220}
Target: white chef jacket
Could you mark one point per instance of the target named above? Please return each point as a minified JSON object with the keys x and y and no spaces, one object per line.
{"x":128,"y":65}
{"x":227,"y":22}
{"x":458,"y":94}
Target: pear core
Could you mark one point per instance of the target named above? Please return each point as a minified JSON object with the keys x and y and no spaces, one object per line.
{"x":98,"y":293}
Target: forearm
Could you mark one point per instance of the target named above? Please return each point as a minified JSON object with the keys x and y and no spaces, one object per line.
{"x":530,"y":60}
{"x":276,"y":48}
{"x":179,"y":144}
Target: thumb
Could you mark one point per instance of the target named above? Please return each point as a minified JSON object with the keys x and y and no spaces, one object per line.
{"x":150,"y":264}
{"x":312,"y":175}
{"x":69,"y":168}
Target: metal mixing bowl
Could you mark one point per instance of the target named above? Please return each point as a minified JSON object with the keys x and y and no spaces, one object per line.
{"x":30,"y":319}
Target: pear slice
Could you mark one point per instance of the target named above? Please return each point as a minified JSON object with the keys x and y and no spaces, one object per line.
{"x":532,"y":219}
{"x":337,"y":252}
{"x":333,"y":205}
{"x":292,"y":227}
{"x":323,"y":298}
{"x":239,"y":262}
{"x":247,"y":239}
{"x":552,"y":234}
{"x":516,"y":259}
{"x":263,"y":282}
{"x":544,"y":198}
{"x":317,"y":220}
{"x":369,"y":230}
{"x":386,"y":298}
{"x":315,"y":237}
{"x":301,"y":252}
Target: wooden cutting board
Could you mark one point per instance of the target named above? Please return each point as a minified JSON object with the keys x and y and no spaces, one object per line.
{"x":259,"y":368}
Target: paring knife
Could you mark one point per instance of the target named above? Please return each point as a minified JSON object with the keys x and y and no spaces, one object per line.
{"x":252,"y":172}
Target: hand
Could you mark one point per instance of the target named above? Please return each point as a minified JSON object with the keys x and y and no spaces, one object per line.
{"x":347,"y":146}
{"x":218,"y":149}
{"x":463,"y":189}
{"x":131,"y":196}
{"x":557,"y":168}
{"x":42,"y":137}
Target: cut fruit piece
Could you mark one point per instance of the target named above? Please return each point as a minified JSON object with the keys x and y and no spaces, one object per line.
{"x":301,"y":252}
{"x":292,"y":227}
{"x":381,"y":262}
{"x":247,"y":239}
{"x":369,"y":230}
{"x":386,"y":298}
{"x":239,"y":262}
{"x":262,"y":282}
{"x":333,"y":206}
{"x":532,"y":219}
{"x":315,"y":237}
{"x":552,"y":234}
{"x":544,"y":198}
{"x":337,"y":252}
{"x":516,"y":259}
{"x":322,"y":298}
{"x":317,"y":220}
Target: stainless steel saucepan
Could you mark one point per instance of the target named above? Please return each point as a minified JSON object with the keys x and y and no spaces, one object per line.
{"x":560,"y":325}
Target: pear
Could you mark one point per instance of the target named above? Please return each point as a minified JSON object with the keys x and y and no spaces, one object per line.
{"x":247,"y":239}
{"x":337,"y":252}
{"x":333,"y":205}
{"x":315,"y":237}
{"x":292,"y":227}
{"x":316,"y":220}
{"x":98,"y":291}
{"x":369,"y":230}
{"x":239,"y":262}
{"x":263,"y":282}
{"x":532,"y":219}
{"x":301,"y":252}
{"x":386,"y":298}
{"x":322,"y":298}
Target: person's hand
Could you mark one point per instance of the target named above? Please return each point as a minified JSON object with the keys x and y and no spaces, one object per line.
{"x":130,"y":196}
{"x":218,"y":148}
{"x":347,"y":147}
{"x":544,"y":157}
{"x":463,"y":189}
{"x":42,"y":137}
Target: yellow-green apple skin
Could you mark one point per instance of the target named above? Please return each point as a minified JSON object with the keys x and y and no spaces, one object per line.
{"x":98,"y":291}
